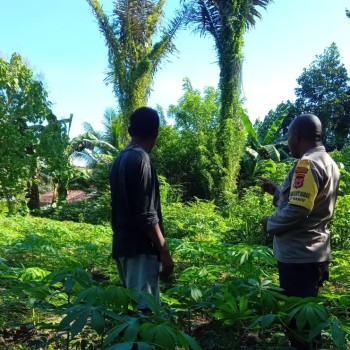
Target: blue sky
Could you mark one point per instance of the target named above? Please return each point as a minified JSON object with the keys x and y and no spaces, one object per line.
{"x":62,"y":43}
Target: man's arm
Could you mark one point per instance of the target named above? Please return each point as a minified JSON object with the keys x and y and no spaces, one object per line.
{"x":147,"y":217}
{"x":285,"y":219}
{"x":271,"y":188}
{"x":303,"y":191}
{"x":157,"y":238}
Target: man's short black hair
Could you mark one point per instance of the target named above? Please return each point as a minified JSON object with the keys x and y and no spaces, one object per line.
{"x":144,"y":122}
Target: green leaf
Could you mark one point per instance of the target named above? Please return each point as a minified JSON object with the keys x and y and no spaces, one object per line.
{"x":275,"y":126}
{"x":144,"y":346}
{"x":187,"y":340}
{"x":250,"y":129}
{"x":165,"y":337}
{"x":243,"y":303}
{"x":114,"y":333}
{"x":160,"y":334}
{"x":122,"y":346}
{"x":131,"y":331}
{"x":147,"y":331}
{"x":301,"y":318}
{"x":338,"y":336}
{"x":266,"y":320}
{"x":79,"y":323}
{"x":151,"y":301}
{"x":316,"y":330}
{"x":118,"y":297}
{"x":271,"y":152}
{"x":97,"y":320}
{"x":196,"y":293}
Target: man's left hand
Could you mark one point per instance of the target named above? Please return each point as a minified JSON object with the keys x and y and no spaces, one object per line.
{"x":264,"y":223}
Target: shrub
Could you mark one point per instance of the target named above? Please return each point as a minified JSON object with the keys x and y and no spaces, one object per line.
{"x":245,"y":215}
{"x":198,"y":219}
{"x":339,"y":226}
{"x":94,"y":211}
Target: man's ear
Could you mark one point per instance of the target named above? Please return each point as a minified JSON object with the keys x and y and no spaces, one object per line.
{"x":130,"y":131}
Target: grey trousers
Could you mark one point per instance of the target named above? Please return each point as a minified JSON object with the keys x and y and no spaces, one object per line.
{"x":140,"y":272}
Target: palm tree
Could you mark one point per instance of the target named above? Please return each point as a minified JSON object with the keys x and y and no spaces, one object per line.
{"x":92,"y":146}
{"x":133,"y":57}
{"x":227,"y":21}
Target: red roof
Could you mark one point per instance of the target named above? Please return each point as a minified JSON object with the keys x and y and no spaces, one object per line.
{"x":72,"y":196}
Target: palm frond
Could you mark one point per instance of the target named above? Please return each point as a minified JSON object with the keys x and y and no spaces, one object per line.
{"x":91,"y":132}
{"x":102,"y":146}
{"x":206,"y":17}
{"x":105,"y":27}
{"x":83,"y":158}
{"x":253,"y":11}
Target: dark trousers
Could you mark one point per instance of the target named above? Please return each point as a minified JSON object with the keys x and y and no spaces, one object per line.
{"x":302,"y":280}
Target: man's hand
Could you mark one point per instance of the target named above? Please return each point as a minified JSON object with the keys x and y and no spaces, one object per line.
{"x":166,"y":260}
{"x":267,"y":185}
{"x":264,"y":223}
{"x":167,"y":263}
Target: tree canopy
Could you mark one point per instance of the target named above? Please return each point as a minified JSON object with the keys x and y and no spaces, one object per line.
{"x":26,"y":126}
{"x":325,"y":91}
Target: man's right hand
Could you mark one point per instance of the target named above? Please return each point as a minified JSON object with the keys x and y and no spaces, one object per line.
{"x":167,"y":263}
{"x":268,"y":186}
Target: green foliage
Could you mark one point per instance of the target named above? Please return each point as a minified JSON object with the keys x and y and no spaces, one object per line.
{"x":260,"y":156}
{"x":32,"y":141}
{"x":191,"y":142}
{"x":342,"y":158}
{"x":324,"y":90}
{"x":199,"y":220}
{"x":245,"y":215}
{"x":339,"y":225}
{"x":227,"y":22}
{"x":51,"y":277}
{"x":23,"y":104}
{"x":272,"y":120}
{"x":95,"y":210}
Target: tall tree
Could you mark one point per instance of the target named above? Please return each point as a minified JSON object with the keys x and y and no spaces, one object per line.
{"x":190,"y":144}
{"x":31,"y":137}
{"x":325,"y":91}
{"x":53,"y":155}
{"x":23,"y":105}
{"x":227,"y":21}
{"x":133,"y":54}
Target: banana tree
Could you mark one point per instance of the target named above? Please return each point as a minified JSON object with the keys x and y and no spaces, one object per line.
{"x":260,"y":155}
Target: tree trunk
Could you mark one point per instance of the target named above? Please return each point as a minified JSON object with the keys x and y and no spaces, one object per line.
{"x":231,"y":135}
{"x":33,"y":195}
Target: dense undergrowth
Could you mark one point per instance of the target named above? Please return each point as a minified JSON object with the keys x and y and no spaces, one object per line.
{"x":60,"y":289}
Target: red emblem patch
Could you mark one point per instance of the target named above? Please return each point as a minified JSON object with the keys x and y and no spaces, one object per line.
{"x":299,"y":181}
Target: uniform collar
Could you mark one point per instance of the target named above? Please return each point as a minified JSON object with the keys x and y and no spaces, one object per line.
{"x":315,"y":149}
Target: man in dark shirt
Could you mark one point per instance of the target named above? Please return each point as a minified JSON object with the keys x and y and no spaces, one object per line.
{"x":139,"y":246}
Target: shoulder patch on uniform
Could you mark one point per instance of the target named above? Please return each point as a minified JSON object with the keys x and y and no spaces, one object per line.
{"x":300,"y":172}
{"x":304,"y":188}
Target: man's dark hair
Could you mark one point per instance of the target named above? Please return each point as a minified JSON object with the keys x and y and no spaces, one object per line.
{"x":308,"y":127}
{"x":144,"y":122}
